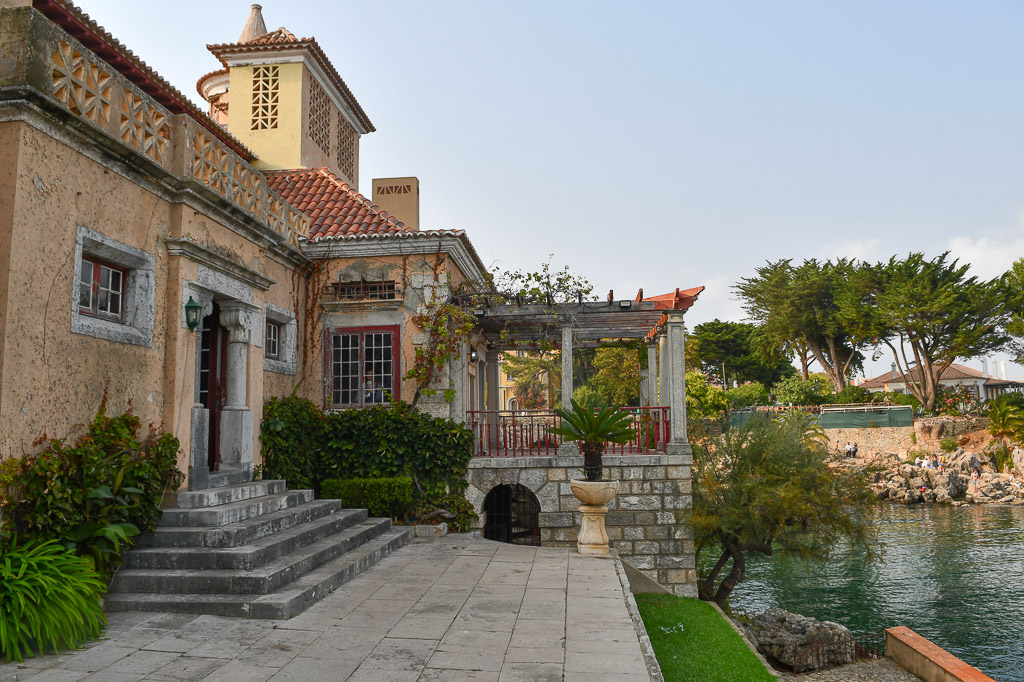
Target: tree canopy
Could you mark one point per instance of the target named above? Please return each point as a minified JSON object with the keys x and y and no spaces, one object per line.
{"x":797,"y":307}
{"x":765,"y":487}
{"x":733,"y":345}
{"x":930,"y":309}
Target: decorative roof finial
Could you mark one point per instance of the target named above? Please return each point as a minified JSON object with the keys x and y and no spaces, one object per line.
{"x":254,"y":26}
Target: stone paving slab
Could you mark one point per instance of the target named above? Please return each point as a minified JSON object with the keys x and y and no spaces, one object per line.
{"x":449,"y":609}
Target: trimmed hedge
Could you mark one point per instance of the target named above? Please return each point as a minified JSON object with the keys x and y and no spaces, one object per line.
{"x":306,"y":447}
{"x":391,"y":497}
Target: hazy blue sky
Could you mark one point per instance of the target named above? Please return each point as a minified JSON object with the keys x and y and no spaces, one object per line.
{"x":669,"y":144}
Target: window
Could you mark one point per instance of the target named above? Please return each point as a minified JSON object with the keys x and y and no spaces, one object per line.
{"x":362,"y":290}
{"x":362,"y":366}
{"x":113,"y":293}
{"x":280,"y":340}
{"x":272,"y":348}
{"x":100,"y":289}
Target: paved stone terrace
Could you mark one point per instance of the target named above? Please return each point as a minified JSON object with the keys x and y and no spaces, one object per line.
{"x":452,"y":609}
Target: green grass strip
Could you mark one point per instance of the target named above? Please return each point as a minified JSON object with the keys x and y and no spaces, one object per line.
{"x":693,"y":642}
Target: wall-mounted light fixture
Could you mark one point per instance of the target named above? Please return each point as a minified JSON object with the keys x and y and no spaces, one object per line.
{"x":473,"y":355}
{"x":193,"y":314}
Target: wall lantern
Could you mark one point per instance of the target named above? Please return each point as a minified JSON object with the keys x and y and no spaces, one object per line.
{"x":193,"y":311}
{"x":473,"y":355}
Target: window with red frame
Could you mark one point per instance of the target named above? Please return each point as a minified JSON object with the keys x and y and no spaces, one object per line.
{"x":362,"y":366}
{"x":101,"y":289}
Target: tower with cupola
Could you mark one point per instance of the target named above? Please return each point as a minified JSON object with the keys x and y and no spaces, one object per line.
{"x":281,"y":97}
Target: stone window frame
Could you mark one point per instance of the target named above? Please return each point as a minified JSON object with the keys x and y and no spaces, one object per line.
{"x":138,"y":301}
{"x":287,"y":340}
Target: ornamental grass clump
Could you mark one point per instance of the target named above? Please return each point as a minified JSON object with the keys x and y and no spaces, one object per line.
{"x":49,"y":600}
{"x":594,"y":427}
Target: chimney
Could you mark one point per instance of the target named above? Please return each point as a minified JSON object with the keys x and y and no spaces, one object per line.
{"x":895,"y":374}
{"x":400,"y":197}
{"x":1002,"y":370}
{"x":984,"y":367}
{"x":254,"y":26}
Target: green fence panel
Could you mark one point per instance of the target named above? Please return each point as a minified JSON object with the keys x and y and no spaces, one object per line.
{"x":900,"y":416}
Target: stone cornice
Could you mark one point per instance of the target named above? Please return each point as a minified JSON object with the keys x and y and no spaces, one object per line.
{"x":212,"y":259}
{"x":389,"y":245}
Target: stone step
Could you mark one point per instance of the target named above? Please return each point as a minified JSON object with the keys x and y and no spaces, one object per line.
{"x":212,"y":497}
{"x":249,"y":556}
{"x":286,"y":602}
{"x":243,"y":532}
{"x":229,"y":475}
{"x":233,"y":512}
{"x":262,"y":580}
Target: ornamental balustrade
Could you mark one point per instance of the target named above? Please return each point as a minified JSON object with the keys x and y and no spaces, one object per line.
{"x":99,"y":96}
{"x":526,"y":433}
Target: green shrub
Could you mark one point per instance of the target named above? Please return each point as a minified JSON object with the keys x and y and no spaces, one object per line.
{"x":94,"y":496}
{"x":395,"y":440}
{"x":948,"y":444}
{"x":453,"y":508}
{"x":392,"y":497}
{"x":1014,"y":399}
{"x":292,"y":439}
{"x":795,"y":391}
{"x":1003,"y":458}
{"x":850,"y":394}
{"x":306,"y":447}
{"x":49,"y":599}
{"x":748,"y":395}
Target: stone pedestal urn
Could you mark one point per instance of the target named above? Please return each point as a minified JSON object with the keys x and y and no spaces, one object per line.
{"x":593,"y":495}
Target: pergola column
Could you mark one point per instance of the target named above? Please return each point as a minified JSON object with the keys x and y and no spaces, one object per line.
{"x":567,"y":449}
{"x":673,"y":343}
{"x":650,"y":378}
{"x":493,"y":397}
{"x":567,"y":388}
{"x":663,"y":367}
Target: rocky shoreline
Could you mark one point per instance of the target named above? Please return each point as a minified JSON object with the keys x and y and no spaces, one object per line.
{"x":901,"y":483}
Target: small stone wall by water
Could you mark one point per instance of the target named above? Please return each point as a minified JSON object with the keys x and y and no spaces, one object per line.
{"x":873,"y":440}
{"x":641,"y":522}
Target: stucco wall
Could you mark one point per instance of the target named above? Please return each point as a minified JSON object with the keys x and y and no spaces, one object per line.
{"x":642,"y":521}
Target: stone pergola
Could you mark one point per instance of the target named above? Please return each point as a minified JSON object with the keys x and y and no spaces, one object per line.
{"x":585,"y":324}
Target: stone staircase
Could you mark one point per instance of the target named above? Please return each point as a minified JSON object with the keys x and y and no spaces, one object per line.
{"x":249,"y":549}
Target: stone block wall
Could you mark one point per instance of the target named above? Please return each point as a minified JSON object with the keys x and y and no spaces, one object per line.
{"x":642,"y":522}
{"x":873,"y":440}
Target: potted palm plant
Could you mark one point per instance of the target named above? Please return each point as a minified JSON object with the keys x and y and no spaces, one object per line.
{"x":593,"y":427}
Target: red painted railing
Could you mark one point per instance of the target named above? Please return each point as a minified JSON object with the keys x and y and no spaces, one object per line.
{"x":525,"y":433}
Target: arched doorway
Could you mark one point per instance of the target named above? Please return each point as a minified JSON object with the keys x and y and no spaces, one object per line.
{"x":512,"y":515}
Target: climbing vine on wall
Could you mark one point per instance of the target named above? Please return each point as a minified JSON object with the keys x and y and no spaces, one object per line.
{"x":447,"y":327}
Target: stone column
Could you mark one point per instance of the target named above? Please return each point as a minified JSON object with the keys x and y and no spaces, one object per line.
{"x":676,"y":366}
{"x":663,"y":368}
{"x":236,"y":438}
{"x":460,"y":382}
{"x":567,"y":449}
{"x":493,"y":375}
{"x":652,"y":374}
{"x":567,"y":368}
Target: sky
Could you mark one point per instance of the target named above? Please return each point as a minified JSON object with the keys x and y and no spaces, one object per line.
{"x":668,"y":144}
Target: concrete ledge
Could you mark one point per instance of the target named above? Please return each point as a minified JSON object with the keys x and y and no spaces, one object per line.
{"x":427,"y":530}
{"x":653,"y":669}
{"x":930,"y":662}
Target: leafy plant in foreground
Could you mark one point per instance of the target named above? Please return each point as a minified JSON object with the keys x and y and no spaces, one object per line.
{"x":49,"y":599}
{"x":593,"y":428}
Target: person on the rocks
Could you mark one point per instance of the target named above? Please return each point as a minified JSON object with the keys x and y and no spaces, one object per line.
{"x":917,"y":460}
{"x":975,"y":478}
{"x":942,"y":463}
{"x":853,"y":452}
{"x":849,"y":449}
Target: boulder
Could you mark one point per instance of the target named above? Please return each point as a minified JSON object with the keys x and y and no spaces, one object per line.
{"x":1018,"y":461}
{"x":784,"y":636}
{"x":963,"y":462}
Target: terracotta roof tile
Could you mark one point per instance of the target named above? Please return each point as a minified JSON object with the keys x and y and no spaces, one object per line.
{"x":282,"y":39}
{"x":281,"y":35}
{"x":334,"y":208}
{"x":954,"y":371}
{"x":676,"y":300}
